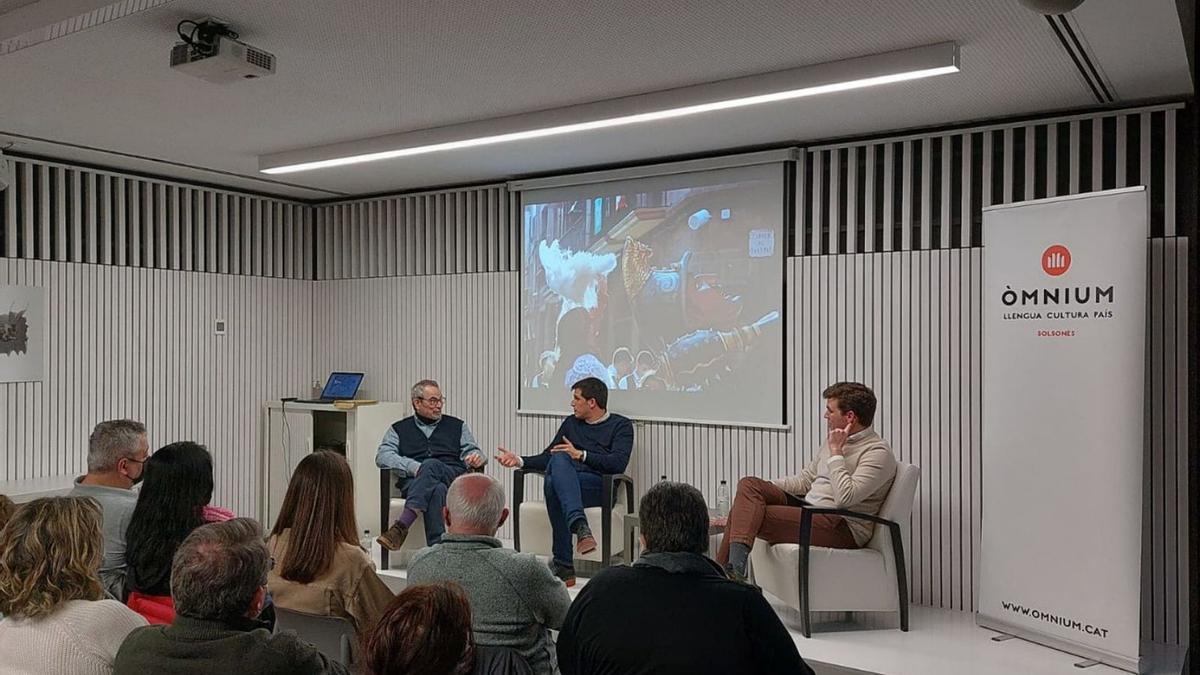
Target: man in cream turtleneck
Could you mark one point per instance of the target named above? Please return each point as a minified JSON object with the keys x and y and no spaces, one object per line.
{"x":853,"y":470}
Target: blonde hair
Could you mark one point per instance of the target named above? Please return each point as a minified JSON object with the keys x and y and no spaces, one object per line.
{"x":51,"y":552}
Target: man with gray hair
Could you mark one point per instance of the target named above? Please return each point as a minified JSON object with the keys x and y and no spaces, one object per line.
{"x":219,"y":585}
{"x":117,"y":451}
{"x":426,"y":450}
{"x":515,"y":600}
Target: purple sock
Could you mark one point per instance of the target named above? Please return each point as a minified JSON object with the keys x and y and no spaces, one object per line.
{"x":408,"y":517}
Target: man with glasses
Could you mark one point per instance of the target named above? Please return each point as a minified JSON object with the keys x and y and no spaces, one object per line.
{"x":428,"y":450}
{"x":117,"y":452}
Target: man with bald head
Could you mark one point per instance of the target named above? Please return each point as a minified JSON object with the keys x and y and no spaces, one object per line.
{"x":515,"y":600}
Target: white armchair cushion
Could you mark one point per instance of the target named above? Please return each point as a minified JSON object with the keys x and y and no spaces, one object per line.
{"x":416,"y":532}
{"x":844,"y":580}
{"x":536,"y":534}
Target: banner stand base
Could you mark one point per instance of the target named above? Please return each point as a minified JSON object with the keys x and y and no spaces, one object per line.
{"x":1133,"y":665}
{"x":1005,"y":637}
{"x":1087,"y":664}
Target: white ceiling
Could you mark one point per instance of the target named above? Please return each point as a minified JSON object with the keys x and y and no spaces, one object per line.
{"x":349,"y":70}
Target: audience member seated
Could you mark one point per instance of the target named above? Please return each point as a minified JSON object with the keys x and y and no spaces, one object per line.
{"x":673,"y":611}
{"x":853,"y":470}
{"x":117,"y":452}
{"x":319,"y":567}
{"x":172,"y":503}
{"x":589,"y":443}
{"x":427,"y":631}
{"x":57,"y":619}
{"x":515,"y":600}
{"x":219,"y":584}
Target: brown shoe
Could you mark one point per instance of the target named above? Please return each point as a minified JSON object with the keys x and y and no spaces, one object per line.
{"x":563,"y":572}
{"x":586,"y":544}
{"x":394,"y":538}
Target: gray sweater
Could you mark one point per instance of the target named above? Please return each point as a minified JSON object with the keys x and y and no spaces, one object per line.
{"x":515,"y":600}
{"x":116,"y":507}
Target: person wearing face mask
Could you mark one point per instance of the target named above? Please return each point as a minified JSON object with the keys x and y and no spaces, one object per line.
{"x":427,"y":451}
{"x":117,"y":452}
{"x":853,"y":470}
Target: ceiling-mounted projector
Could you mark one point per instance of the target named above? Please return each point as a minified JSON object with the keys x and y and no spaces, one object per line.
{"x":212,"y":52}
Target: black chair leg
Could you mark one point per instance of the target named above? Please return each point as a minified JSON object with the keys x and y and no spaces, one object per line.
{"x":805,"y":539}
{"x":385,"y":504}
{"x":901,"y":576}
{"x":606,"y":522}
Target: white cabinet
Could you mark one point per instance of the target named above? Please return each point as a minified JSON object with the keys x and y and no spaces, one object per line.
{"x":295,"y":429}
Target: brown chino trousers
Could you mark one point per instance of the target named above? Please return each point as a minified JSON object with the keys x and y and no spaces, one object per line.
{"x":762,"y":510}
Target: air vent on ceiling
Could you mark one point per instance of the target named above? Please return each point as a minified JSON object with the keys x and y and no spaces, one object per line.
{"x":1071,"y":38}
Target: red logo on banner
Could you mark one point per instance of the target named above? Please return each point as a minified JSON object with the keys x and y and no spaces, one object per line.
{"x":1056,"y":260}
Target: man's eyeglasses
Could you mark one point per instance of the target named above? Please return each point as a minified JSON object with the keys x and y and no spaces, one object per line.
{"x":434,"y":400}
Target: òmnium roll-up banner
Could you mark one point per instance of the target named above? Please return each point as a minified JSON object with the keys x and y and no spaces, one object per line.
{"x":1064,"y":326}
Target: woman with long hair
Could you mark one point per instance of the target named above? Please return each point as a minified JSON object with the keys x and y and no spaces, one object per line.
{"x":319,"y":566}
{"x":426,"y":630}
{"x":56,"y":619}
{"x":177,"y":487}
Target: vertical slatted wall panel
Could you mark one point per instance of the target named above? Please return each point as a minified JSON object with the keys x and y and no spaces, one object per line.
{"x":454,"y":232}
{"x":894,"y":222}
{"x":137,"y":342}
{"x":60,"y":213}
{"x":945,"y":181}
{"x":133,"y":336}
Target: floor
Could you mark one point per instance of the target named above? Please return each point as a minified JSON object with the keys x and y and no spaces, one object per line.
{"x":939,"y":642}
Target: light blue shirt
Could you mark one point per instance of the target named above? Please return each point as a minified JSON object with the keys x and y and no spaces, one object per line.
{"x":388,"y":455}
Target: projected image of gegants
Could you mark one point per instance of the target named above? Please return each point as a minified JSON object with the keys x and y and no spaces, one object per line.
{"x":668,"y":290}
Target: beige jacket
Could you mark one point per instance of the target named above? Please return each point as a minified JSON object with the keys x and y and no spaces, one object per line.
{"x":349,"y":589}
{"x":858,"y":480}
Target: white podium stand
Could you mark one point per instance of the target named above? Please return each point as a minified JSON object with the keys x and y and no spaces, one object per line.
{"x":295,"y":429}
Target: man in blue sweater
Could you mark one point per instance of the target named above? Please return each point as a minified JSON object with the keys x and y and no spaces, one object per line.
{"x":589,"y":443}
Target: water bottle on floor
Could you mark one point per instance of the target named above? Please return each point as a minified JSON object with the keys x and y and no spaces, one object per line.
{"x":366,"y":542}
{"x":723,"y":500}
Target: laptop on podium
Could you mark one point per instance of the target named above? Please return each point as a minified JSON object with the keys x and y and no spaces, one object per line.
{"x":339,"y":387}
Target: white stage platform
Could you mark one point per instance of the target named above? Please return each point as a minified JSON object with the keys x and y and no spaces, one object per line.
{"x":939,"y":642}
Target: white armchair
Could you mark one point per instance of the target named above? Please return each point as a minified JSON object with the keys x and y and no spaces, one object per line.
{"x":531,"y":523}
{"x":389,"y":512}
{"x":868,"y":579}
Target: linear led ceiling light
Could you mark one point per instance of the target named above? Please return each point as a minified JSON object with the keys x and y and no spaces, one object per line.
{"x":783,"y":85}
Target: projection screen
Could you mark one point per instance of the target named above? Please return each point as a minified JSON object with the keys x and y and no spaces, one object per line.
{"x":670,"y":289}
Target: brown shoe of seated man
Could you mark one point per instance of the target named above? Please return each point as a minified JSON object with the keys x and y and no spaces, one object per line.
{"x":394,"y":538}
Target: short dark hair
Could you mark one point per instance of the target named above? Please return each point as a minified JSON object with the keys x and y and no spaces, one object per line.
{"x":674,"y":519}
{"x":425,"y":630}
{"x":218,"y":569}
{"x":853,"y":396}
{"x":593,"y":388}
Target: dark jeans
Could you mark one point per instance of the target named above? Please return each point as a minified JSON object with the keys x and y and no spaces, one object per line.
{"x":427,"y":493}
{"x":569,"y":489}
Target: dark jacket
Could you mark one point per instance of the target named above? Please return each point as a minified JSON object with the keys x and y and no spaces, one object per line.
{"x":673,"y":614}
{"x":608,"y":444}
{"x":198,"y":647}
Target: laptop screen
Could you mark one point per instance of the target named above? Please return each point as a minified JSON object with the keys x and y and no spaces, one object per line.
{"x":342,"y":385}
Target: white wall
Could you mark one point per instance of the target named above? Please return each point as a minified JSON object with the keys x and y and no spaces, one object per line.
{"x":884,"y":288}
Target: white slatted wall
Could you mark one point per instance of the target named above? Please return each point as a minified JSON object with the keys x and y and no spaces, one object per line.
{"x":453,"y":232}
{"x":890,"y":222}
{"x":67,"y":214}
{"x":140,"y":343}
{"x":137,"y":271}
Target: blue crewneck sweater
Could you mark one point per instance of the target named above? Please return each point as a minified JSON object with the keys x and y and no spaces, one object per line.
{"x":608,"y":444}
